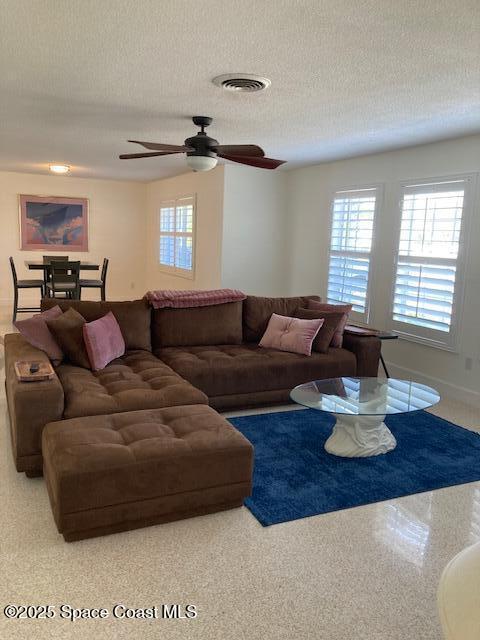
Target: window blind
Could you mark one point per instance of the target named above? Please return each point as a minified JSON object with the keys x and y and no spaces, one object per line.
{"x":353,"y":216}
{"x":428,"y":251}
{"x":176,"y":234}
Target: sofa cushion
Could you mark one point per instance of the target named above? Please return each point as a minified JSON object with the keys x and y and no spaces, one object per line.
{"x":133,"y":317}
{"x":67,"y":330}
{"x":36,"y":332}
{"x":137,"y":380}
{"x":103,"y":341}
{"x":215,"y":324}
{"x":337,"y":339}
{"x":328,"y":329}
{"x":257,"y":311}
{"x":247,"y":368}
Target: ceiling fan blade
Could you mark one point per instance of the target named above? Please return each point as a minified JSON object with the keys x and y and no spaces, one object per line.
{"x":130,"y":156}
{"x":158,"y":146}
{"x":262,"y":163}
{"x":251,"y":150}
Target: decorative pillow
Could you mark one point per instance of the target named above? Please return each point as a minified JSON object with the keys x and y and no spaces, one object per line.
{"x":337,"y":340}
{"x":68,"y":332}
{"x":257,"y":311}
{"x":331,"y":323}
{"x":103,"y":340}
{"x":291,"y":334}
{"x":36,"y":332}
{"x":134,"y":317}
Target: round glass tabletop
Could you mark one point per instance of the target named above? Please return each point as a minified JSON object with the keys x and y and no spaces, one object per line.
{"x":365,"y":396}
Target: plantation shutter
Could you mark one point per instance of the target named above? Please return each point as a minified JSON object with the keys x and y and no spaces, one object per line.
{"x":428,"y":250}
{"x":353,"y":215}
{"x":176,"y":234}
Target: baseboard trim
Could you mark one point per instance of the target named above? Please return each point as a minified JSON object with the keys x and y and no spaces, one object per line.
{"x":447,"y":389}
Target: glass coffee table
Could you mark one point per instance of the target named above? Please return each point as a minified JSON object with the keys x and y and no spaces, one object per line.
{"x":360,"y":406}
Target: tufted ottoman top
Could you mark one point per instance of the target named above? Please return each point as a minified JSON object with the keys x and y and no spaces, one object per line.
{"x":106,"y":460}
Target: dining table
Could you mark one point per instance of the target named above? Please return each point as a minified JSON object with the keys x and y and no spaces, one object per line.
{"x":41,"y":266}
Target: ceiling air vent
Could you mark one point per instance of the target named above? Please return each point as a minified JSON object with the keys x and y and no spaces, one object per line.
{"x":242,"y":82}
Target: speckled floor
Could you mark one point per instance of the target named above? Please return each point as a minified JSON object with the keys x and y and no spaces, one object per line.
{"x":368,"y":573}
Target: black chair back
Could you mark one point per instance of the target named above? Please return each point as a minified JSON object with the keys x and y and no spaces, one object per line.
{"x":104,"y":270}
{"x":64,"y":275}
{"x":48,"y":259}
{"x":14,"y":272}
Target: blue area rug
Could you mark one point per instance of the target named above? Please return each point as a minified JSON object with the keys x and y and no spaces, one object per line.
{"x":295,"y":477}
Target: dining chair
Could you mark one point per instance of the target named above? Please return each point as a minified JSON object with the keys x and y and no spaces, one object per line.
{"x":47,"y":260}
{"x":23,"y":284}
{"x":97,"y":284}
{"x":64,"y":280}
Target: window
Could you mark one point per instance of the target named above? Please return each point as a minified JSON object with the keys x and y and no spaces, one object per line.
{"x":353,"y":215}
{"x":176,"y":236}
{"x":429,"y":261}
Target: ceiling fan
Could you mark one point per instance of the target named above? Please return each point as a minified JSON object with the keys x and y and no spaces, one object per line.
{"x":203,"y":151}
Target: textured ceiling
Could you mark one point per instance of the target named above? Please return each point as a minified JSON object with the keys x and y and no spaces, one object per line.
{"x":78,"y":78}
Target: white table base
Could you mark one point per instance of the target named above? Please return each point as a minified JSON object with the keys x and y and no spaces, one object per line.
{"x":360,"y":437}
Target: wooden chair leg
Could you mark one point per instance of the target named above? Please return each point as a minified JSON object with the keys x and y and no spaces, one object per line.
{"x":102,"y":294}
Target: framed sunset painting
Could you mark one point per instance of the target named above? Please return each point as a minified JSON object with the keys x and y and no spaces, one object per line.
{"x":53,"y":223}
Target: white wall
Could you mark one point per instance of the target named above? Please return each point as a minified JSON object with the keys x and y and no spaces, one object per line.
{"x":208,"y":188}
{"x":116,"y":230}
{"x":266,"y":233}
{"x":310,"y":193}
{"x":254,"y":225}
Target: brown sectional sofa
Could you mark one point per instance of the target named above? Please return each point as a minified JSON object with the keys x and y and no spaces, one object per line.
{"x":176,"y":359}
{"x":205,"y":355}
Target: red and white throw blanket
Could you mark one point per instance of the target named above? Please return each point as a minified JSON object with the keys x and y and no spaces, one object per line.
{"x":178,"y":299}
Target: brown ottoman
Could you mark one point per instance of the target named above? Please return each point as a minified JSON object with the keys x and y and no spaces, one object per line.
{"x":117,"y":472}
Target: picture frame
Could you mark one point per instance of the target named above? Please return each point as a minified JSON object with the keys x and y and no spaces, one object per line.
{"x":53,"y":223}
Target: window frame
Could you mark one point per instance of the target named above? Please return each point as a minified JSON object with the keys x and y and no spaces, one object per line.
{"x":413,"y":332}
{"x":173,"y":270}
{"x":378,"y":188}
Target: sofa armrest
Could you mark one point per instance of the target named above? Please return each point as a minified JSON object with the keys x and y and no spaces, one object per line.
{"x":367,"y":352}
{"x":31,"y":405}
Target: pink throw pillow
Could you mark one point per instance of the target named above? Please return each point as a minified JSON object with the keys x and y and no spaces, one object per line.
{"x":337,"y":339}
{"x":291,"y":334}
{"x":103,"y":340}
{"x":36,"y":332}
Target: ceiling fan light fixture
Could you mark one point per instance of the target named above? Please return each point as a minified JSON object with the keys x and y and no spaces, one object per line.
{"x":201,"y":163}
{"x":59,"y":168}
{"x":203,"y":151}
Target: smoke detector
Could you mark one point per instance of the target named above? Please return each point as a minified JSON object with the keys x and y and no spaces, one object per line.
{"x":242,"y":82}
